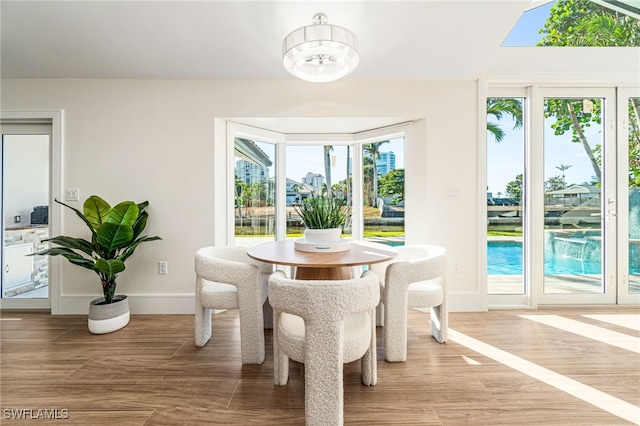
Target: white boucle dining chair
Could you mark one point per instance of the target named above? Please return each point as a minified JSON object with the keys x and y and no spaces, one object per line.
{"x":416,"y":278}
{"x":324,"y":324}
{"x":226,"y":278}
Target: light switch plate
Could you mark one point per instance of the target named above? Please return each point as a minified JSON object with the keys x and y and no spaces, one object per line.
{"x":73,"y":194}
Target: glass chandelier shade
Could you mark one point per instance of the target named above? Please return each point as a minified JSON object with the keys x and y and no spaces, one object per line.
{"x":320,"y":52}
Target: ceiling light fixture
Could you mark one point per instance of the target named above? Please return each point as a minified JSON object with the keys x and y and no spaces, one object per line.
{"x":320,"y":52}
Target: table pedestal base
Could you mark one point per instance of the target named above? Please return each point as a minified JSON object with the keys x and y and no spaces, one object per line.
{"x":333,"y":273}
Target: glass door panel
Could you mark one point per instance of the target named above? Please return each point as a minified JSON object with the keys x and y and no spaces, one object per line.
{"x":254,"y":192}
{"x":505,"y":196}
{"x":633,"y":183}
{"x":383,"y":191}
{"x":575,"y":184}
{"x":314,"y":170}
{"x":311,"y":170}
{"x":25,"y":211}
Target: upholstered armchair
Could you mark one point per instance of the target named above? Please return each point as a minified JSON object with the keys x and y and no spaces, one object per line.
{"x":324,"y":324}
{"x":226,"y":278}
{"x":416,"y":278}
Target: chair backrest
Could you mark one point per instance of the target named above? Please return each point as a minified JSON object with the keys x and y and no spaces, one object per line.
{"x":319,"y":300}
{"x":227,"y":264}
{"x":414,"y":263}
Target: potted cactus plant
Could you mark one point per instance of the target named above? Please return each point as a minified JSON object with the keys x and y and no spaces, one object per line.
{"x":116,"y":232}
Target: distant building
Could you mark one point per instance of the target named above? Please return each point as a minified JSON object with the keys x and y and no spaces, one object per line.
{"x":575,"y":195}
{"x":386,"y":163}
{"x":252,"y":164}
{"x":314,"y":179}
{"x":249,"y":172}
{"x":297,"y":191}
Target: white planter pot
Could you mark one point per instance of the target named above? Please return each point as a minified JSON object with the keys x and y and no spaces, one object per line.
{"x":108,"y":318}
{"x":323,"y":236}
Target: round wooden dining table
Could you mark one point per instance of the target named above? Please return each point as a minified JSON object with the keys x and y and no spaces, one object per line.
{"x":322,"y":265}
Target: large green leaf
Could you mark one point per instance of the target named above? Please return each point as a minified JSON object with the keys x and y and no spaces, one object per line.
{"x":140,"y":224}
{"x":110,"y":267}
{"x":143,"y":205}
{"x":117,"y":229}
{"x":70,"y":255}
{"x":72,"y":243}
{"x":112,"y":236}
{"x":131,"y":248}
{"x":125,"y":213}
{"x":79,"y":214}
{"x":96,"y":211}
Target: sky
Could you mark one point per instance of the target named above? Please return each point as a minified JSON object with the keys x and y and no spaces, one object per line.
{"x":505,"y":159}
{"x":302,"y":159}
{"x":525,"y":32}
{"x":313,"y":161}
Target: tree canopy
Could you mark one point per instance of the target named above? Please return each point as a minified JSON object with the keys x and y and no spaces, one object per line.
{"x":499,"y":107}
{"x":585,"y":23}
{"x":393,"y":184}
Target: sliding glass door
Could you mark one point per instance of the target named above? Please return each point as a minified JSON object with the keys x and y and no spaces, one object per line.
{"x":629,"y":195}
{"x":573,"y":236}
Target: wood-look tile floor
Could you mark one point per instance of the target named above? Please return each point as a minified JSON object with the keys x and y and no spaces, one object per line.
{"x":498,"y":368}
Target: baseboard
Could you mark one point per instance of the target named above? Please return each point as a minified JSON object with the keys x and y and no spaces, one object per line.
{"x":138,"y":304}
{"x":185,"y":303}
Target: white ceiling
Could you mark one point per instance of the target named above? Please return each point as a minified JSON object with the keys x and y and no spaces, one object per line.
{"x":242,"y":39}
{"x":416,"y":40}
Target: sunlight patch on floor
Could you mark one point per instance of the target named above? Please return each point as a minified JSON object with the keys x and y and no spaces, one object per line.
{"x":597,"y":398}
{"x":610,"y":337}
{"x":631,"y":321}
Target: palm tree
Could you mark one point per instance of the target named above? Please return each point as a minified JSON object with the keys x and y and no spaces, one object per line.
{"x":327,"y":166}
{"x":368,"y":171}
{"x":241,"y":196}
{"x":570,"y":114}
{"x":347,"y":183}
{"x":500,"y":106}
{"x":563,"y":168}
{"x":373,"y":149}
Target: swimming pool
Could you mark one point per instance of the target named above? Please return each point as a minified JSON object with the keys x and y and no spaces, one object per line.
{"x":505,"y":258}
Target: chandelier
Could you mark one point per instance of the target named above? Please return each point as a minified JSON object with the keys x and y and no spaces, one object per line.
{"x":320,"y":52}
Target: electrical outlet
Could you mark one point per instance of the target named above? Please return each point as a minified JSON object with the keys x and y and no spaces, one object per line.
{"x":456,"y":268}
{"x":163,"y":267}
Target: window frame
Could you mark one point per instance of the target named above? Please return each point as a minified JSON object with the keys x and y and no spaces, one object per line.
{"x":224,"y":229}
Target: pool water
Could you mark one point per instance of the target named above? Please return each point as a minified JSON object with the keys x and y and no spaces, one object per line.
{"x":505,"y":258}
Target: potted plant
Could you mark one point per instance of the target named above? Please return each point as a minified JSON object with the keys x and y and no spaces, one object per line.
{"x":324,"y":218}
{"x":116,"y":232}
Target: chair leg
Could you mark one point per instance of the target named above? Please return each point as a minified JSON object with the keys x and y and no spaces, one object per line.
{"x":202,"y":325}
{"x":323,"y":381}
{"x":439,"y":323}
{"x":267,"y":315}
{"x":252,"y":336}
{"x":395,"y":328}
{"x":280,"y":360}
{"x":369,"y":362}
{"x":380,"y":314}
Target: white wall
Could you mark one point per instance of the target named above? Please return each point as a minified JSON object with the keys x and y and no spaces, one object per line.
{"x":156,"y":140}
